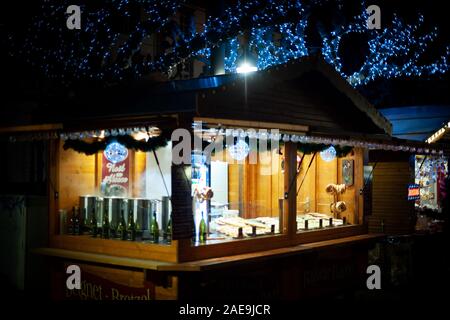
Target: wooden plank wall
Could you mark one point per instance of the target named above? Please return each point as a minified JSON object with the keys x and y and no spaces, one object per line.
{"x":390,"y":203}
{"x":263,"y":186}
{"x":77,"y":176}
{"x":80,"y":174}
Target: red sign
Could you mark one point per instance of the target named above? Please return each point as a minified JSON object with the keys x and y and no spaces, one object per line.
{"x":115,"y":177}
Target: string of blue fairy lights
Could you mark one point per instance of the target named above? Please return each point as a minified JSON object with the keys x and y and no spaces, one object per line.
{"x":277,"y":35}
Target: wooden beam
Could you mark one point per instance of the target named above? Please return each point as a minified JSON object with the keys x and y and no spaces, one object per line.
{"x":32,"y":128}
{"x":254,"y":124}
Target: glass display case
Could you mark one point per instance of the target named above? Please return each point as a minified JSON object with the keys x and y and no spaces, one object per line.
{"x":326,"y":189}
{"x":240,"y":191}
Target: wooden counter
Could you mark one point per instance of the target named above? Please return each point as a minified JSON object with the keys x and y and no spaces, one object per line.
{"x":201,"y":265}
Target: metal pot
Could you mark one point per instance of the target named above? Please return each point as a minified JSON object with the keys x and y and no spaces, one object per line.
{"x":115,"y":207}
{"x":87,"y":205}
{"x":142,"y":210}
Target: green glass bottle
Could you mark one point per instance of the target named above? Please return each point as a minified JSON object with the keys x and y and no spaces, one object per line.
{"x":121,"y":228}
{"x":83,"y":222}
{"x":154,"y":230}
{"x":202,"y":231}
{"x":105,"y":225}
{"x":93,"y":223}
{"x":168,"y":232}
{"x":76,"y":222}
{"x":71,"y":227}
{"x":138,"y":228}
{"x":131,"y":227}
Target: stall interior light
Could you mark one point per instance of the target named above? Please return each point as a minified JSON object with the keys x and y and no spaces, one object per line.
{"x":141,"y":135}
{"x":100,"y":134}
{"x":138,"y":133}
{"x":438,"y":134}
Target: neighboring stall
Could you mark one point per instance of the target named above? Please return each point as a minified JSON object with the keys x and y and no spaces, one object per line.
{"x":283,"y":192}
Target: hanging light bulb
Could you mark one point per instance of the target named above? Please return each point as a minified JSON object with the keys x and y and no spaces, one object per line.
{"x":246,"y":62}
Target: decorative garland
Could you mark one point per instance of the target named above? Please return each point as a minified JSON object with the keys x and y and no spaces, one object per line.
{"x":90,"y":148}
{"x":311,"y":148}
{"x":308,"y":148}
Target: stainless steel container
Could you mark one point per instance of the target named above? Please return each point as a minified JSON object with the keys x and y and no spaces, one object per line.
{"x":115,"y":206}
{"x":99,"y":211}
{"x":142,"y":210}
{"x":165,"y":212}
{"x":87,"y":205}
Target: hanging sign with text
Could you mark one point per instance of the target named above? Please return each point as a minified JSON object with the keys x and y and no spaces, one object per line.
{"x":115,"y":170}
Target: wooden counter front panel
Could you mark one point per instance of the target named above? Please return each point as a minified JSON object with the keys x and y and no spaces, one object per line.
{"x":117,"y":247}
{"x":110,"y":284}
{"x":320,"y":273}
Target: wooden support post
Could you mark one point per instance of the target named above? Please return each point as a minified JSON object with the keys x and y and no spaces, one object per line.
{"x":290,"y":189}
{"x":53,"y":188}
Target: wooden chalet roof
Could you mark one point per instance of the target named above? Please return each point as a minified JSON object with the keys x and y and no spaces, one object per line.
{"x":302,"y":92}
{"x":305,"y":92}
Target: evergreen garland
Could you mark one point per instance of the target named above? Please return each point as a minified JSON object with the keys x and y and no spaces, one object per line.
{"x":306,"y":148}
{"x":90,"y":148}
{"x":309,"y":148}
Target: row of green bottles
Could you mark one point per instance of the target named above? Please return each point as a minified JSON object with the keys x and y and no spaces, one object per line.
{"x":154,"y":230}
{"x":128,"y":231}
{"x":124,"y":231}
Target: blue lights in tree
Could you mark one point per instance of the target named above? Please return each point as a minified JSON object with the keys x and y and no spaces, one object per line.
{"x":97,"y":51}
{"x":393,"y":51}
{"x":276,"y":35}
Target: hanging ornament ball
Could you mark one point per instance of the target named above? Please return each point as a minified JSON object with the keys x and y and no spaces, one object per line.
{"x":115,"y":152}
{"x":328,"y":154}
{"x":239,"y":150}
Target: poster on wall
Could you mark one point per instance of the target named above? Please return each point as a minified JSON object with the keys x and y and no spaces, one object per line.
{"x":347,"y":172}
{"x":115,"y":171}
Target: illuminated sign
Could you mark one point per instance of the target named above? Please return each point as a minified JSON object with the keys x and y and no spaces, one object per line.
{"x":413,"y":192}
{"x":115,"y":171}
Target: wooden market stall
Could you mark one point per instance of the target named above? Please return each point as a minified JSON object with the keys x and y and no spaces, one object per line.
{"x":298,"y":213}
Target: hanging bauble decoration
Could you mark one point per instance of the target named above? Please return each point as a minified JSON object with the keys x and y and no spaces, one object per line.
{"x":328,"y":154}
